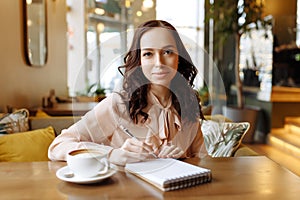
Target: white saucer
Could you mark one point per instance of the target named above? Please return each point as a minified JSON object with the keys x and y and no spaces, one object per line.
{"x":61,"y":174}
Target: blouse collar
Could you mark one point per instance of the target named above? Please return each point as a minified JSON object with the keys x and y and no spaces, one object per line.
{"x":163,"y":122}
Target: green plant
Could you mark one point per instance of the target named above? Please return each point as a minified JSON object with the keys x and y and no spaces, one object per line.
{"x":203,"y":95}
{"x":236,"y":17}
{"x":96,"y":90}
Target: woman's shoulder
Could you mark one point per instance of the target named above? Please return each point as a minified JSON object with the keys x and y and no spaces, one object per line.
{"x":112,"y":104}
{"x":116,"y":97}
{"x":114,"y":100}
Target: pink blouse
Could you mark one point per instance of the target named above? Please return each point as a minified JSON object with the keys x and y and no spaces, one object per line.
{"x":100,"y":128}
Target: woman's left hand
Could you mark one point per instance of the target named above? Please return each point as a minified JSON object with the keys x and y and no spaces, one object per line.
{"x":169,"y":151}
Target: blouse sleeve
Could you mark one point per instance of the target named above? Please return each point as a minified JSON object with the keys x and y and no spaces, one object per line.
{"x":197,"y":148}
{"x":94,"y":130}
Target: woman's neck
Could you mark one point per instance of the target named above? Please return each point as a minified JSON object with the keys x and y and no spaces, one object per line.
{"x":162,"y":94}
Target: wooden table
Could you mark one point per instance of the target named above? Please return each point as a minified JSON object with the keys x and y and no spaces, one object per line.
{"x":69,"y":109}
{"x":243,"y":178}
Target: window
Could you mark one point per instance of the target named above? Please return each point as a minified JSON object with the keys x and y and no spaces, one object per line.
{"x":188,"y":18}
{"x":99,"y":37}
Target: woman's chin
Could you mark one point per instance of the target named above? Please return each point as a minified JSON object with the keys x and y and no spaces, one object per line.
{"x":161,"y":83}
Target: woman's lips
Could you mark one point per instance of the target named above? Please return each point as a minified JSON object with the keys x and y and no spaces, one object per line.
{"x":160,"y":73}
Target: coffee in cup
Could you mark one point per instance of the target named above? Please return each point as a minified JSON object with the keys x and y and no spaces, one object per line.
{"x":88,"y":163}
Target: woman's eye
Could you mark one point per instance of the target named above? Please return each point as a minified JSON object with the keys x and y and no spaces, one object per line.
{"x":146,"y":54}
{"x":168,"y":52}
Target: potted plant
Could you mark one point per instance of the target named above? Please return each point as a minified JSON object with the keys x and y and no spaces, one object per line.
{"x":235,"y":18}
{"x":203,"y":95}
{"x":97,"y":92}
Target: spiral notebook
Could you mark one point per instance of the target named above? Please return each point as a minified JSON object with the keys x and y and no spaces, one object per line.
{"x":170,"y":174}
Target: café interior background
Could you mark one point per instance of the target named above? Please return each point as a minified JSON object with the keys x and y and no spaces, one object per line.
{"x":24,"y":86}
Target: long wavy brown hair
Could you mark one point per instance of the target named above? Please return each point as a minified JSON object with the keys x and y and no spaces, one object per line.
{"x":136,"y":85}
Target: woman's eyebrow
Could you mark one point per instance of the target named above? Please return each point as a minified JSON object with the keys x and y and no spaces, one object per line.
{"x":147,"y":49}
{"x":164,"y":47}
{"x":169,"y":46}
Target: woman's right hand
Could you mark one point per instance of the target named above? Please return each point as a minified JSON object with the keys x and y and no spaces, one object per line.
{"x":168,"y":150}
{"x":132,"y":150}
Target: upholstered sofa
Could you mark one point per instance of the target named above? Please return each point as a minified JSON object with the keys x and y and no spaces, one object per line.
{"x":32,"y":145}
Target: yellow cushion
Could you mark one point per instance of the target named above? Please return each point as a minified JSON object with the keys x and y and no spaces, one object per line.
{"x":245,"y":151}
{"x":40,"y":113}
{"x":26,"y":146}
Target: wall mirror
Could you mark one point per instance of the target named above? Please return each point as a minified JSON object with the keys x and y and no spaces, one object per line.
{"x":35,"y":32}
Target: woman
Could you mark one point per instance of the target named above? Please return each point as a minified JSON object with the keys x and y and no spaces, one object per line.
{"x":156,"y":104}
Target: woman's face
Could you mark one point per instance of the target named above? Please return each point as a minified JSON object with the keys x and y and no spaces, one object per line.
{"x":159,"y":56}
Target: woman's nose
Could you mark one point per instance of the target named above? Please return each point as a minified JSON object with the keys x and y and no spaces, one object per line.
{"x":158,"y":60}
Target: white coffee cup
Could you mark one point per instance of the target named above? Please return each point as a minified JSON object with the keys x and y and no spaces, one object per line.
{"x":88,"y":163}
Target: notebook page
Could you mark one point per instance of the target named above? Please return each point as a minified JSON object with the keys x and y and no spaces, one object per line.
{"x":161,"y":170}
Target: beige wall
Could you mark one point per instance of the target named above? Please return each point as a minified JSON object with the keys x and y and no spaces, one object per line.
{"x":21,"y":85}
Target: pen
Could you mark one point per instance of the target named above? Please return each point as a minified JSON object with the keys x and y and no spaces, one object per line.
{"x":127,"y":132}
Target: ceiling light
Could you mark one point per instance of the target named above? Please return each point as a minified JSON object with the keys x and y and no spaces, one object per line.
{"x":148,"y":4}
{"x":99,"y":11}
